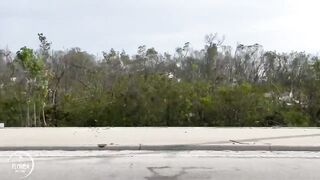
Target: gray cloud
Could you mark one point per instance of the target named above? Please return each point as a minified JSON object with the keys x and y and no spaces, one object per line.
{"x":97,"y":25}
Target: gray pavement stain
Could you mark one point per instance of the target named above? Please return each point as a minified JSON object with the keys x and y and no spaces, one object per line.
{"x":158,"y":173}
{"x":263,"y":138}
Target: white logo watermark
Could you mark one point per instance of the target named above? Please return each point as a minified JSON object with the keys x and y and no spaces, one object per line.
{"x":22,"y":164}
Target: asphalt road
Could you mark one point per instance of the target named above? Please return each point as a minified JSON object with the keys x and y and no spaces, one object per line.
{"x":171,"y":165}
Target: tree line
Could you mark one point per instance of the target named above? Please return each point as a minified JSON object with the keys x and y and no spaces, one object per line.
{"x":213,"y":86}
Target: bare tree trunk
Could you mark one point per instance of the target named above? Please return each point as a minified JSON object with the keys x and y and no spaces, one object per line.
{"x":54,"y":114}
{"x":21,"y":119}
{"x":34,"y":115}
{"x":44,"y":117}
{"x":28,"y":115}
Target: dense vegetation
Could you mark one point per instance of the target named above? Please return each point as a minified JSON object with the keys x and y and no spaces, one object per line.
{"x":214,"y":86}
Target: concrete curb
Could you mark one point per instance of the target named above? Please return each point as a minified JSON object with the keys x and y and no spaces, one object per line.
{"x":165,"y":148}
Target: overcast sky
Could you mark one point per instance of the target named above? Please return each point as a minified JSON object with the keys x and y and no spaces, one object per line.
{"x":97,"y":25}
